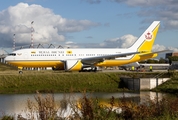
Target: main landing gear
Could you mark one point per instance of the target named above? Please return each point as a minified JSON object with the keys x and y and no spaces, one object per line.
{"x":90,"y":69}
{"x":20,"y":70}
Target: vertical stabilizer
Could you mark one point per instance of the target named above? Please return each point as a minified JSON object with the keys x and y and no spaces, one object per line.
{"x":146,"y":40}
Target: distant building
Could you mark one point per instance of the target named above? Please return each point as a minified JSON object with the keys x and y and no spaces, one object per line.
{"x":175,"y":54}
{"x":3,"y":54}
{"x":171,"y":54}
{"x":174,"y":60}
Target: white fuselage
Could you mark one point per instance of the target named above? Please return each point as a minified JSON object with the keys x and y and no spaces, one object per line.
{"x":55,"y":57}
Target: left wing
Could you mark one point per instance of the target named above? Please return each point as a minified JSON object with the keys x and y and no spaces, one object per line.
{"x":93,"y":60}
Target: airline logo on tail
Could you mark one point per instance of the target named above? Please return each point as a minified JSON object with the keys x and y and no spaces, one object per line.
{"x":149,"y":36}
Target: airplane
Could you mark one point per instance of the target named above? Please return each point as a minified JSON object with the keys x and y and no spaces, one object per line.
{"x":77,"y":59}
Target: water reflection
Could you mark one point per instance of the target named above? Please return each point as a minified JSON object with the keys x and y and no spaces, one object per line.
{"x":16,"y":104}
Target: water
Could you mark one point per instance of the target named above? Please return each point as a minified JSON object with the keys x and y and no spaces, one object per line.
{"x":17,"y":103}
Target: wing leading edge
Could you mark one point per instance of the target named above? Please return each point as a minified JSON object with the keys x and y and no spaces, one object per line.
{"x":94,"y":60}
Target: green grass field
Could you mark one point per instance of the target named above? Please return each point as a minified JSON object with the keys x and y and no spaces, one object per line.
{"x":46,"y":81}
{"x":49,"y":81}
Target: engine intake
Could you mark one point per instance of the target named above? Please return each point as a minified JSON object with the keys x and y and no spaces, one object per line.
{"x":73,"y":65}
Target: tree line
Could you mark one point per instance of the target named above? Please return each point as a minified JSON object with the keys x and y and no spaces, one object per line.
{"x":161,"y":60}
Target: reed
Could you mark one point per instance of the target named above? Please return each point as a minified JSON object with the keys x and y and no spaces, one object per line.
{"x":85,"y":108}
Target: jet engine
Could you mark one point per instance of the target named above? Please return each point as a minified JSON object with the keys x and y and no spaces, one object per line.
{"x":73,"y":65}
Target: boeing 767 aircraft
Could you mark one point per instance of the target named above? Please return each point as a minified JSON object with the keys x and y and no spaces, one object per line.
{"x":80,"y":58}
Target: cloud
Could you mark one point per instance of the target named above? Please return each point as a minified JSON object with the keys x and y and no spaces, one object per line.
{"x":70,"y":44}
{"x":127,"y":40}
{"x":48,"y":27}
{"x":122,"y":42}
{"x":158,"y":47}
{"x":146,"y":3}
{"x":164,"y":10}
{"x":138,"y":2}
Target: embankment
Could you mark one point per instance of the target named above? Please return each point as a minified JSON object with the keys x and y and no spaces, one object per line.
{"x":49,"y":81}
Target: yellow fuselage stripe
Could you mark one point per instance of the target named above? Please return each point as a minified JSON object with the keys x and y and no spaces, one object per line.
{"x":40,"y":63}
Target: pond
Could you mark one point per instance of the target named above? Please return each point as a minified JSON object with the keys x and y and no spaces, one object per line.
{"x":14,"y":104}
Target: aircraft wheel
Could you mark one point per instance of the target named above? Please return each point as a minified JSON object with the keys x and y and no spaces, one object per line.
{"x":94,"y":69}
{"x":20,"y":72}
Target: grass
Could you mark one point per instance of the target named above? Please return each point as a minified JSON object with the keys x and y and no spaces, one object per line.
{"x":49,"y":81}
{"x":170,"y":86}
{"x":57,"y":82}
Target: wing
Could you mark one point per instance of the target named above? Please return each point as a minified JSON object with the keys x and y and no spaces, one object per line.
{"x":93,"y":60}
{"x":152,"y":53}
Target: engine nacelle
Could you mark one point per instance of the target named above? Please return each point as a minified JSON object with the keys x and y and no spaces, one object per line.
{"x":73,"y":65}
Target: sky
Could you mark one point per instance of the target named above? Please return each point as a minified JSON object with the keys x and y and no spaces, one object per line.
{"x":87,"y":23}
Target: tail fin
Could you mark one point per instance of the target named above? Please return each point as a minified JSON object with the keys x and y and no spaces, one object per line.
{"x":146,"y":40}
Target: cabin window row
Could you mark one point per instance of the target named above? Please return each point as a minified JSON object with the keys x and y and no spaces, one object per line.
{"x":70,"y":55}
{"x":90,"y":54}
{"x":43,"y":54}
{"x":52,"y":54}
{"x":63,"y":54}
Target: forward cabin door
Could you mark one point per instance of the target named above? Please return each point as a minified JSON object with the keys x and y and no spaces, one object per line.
{"x":25,"y":55}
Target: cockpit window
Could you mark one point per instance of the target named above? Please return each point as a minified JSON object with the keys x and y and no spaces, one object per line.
{"x":12,"y":54}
